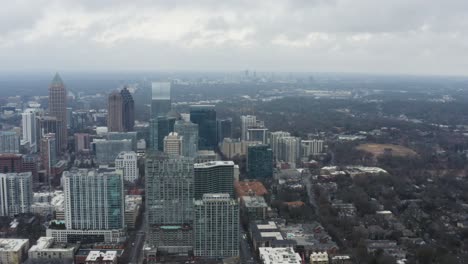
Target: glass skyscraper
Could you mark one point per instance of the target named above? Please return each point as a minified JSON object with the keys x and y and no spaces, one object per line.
{"x":160,"y":99}
{"x":205,"y":117}
{"x":189,"y":133}
{"x":160,"y":127}
{"x":214,"y":177}
{"x":259,"y":162}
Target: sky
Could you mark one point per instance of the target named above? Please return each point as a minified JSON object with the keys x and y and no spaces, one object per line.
{"x":366,"y":36}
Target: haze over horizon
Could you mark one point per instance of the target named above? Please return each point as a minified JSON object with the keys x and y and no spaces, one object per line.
{"x":392,"y":37}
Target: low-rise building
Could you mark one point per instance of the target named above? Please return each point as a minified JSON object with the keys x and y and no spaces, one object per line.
{"x":107,"y":257}
{"x":319,"y":258}
{"x":269,"y":255}
{"x":132,"y":209}
{"x":87,"y":236}
{"x":254,"y":207}
{"x":13,"y":251}
{"x":46,"y":248}
{"x":268,"y":234}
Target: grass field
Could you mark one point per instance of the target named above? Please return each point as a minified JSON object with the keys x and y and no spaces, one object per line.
{"x":379,"y":149}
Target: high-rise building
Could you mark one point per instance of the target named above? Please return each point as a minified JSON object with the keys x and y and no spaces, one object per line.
{"x":16,"y":195}
{"x":160,"y":127}
{"x":11,"y":163}
{"x":216,"y":226}
{"x":94,"y":200}
{"x":58,"y":108}
{"x":82,"y":142}
{"x":133,"y":136}
{"x":128,"y":110}
{"x":107,"y":150}
{"x":205,"y":117}
{"x":290,"y":150}
{"x":160,"y":99}
{"x":235,"y":147}
{"x":9,"y":142}
{"x":114,"y":112}
{"x":224,"y":129}
{"x":246,"y":122}
{"x":173,"y":144}
{"x":50,"y":125}
{"x":28,"y":121}
{"x":275,"y":138}
{"x":259,"y":162}
{"x":127,"y":161}
{"x":257,"y":134}
{"x":312,"y":147}
{"x":169,"y":203}
{"x":189,"y":132}
{"x":48,"y":153}
{"x":214,"y":177}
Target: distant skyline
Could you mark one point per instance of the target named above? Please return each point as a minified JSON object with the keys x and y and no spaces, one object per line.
{"x":421,"y":37}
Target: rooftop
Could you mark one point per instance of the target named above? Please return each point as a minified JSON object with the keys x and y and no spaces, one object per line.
{"x":211,"y":164}
{"x":279,"y":256}
{"x":99,"y":255}
{"x":12,"y":244}
{"x":254,"y":201}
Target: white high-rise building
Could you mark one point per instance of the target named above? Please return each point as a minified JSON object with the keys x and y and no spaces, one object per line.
{"x":246,"y":122}
{"x":127,"y":161}
{"x":291,"y":149}
{"x":216,"y":226}
{"x":94,"y":200}
{"x":275,"y":138}
{"x":173,"y":144}
{"x":312,"y":147}
{"x":16,"y":195}
{"x":28,"y":120}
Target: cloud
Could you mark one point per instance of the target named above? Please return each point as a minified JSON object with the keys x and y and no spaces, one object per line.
{"x":303,"y":35}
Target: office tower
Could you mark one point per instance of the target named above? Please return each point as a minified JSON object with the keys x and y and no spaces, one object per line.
{"x":82,"y":142}
{"x":173,"y":144}
{"x":58,"y":109}
{"x":160,"y":127}
{"x":11,"y":163}
{"x":94,"y":200}
{"x":16,"y":195}
{"x":114,"y":112}
{"x":69,"y":117}
{"x":9,"y":142}
{"x":31,"y":164}
{"x":160,"y":99}
{"x":311,"y":147}
{"x":224,"y":129}
{"x":189,"y":132}
{"x":169,"y":202}
{"x":214,"y":177}
{"x":127,"y":161}
{"x":275,"y":138}
{"x":50,"y":125}
{"x":246,"y":122}
{"x":28,"y":121}
{"x":259,"y":162}
{"x":216,"y":226}
{"x":205,"y":117}
{"x":107,"y":150}
{"x":133,"y":136}
{"x":290,"y":149}
{"x":235,"y":147}
{"x":128,"y":110}
{"x":48,"y":153}
{"x":257,"y":134}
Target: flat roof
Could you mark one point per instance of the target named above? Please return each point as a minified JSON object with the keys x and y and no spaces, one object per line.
{"x":211,"y":164}
{"x":12,"y":244}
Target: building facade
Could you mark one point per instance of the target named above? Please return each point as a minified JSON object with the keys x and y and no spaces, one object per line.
{"x":108,"y":150}
{"x":189,"y":133}
{"x":173,"y":144}
{"x":114,"y":112}
{"x":28,"y":126}
{"x":205,"y":117}
{"x":9,"y":142}
{"x":216,"y":226}
{"x":223,"y":129}
{"x":259,"y":162}
{"x":128,"y":110}
{"x":160,"y":99}
{"x":58,"y":108}
{"x":214,"y":177}
{"x":127,"y":161}
{"x":16,"y":195}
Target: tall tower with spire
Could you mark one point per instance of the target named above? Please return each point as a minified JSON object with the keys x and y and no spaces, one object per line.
{"x":58,"y":107}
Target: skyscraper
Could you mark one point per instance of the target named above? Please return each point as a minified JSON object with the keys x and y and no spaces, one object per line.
{"x":50,"y":125}
{"x":223,"y":129}
{"x":290,"y":150}
{"x":169,"y":202}
{"x":160,"y":127}
{"x":48,"y":153}
{"x":128,"y":110}
{"x":160,"y":99}
{"x":246,"y":122}
{"x":173,"y":144}
{"x":16,"y":195}
{"x":189,"y":133}
{"x":28,"y":121}
{"x":216,"y":226}
{"x":58,"y":108}
{"x":94,"y":200}
{"x":214,"y":177}
{"x":9,"y":142}
{"x":275,"y":138}
{"x":259,"y":162}
{"x":114,"y":112}
{"x":108,"y":150}
{"x":127,"y":161}
{"x":260,"y":134}
{"x":205,"y":117}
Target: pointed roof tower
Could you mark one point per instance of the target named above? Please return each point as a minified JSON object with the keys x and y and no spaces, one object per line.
{"x":57,"y":81}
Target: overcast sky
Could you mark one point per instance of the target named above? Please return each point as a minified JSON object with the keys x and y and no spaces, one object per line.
{"x":381,"y":36}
